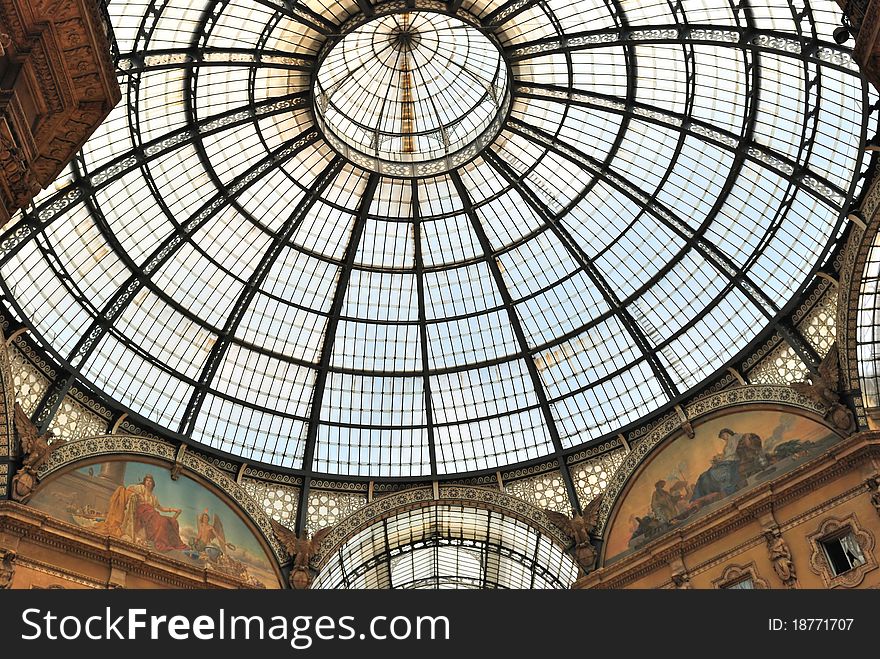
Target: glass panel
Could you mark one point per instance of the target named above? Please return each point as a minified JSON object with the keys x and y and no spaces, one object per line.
{"x":503,"y":233}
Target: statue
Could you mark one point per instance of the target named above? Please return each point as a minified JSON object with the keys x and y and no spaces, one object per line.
{"x":7,"y":568}
{"x":874,"y":488}
{"x":301,"y":549}
{"x":36,"y":450}
{"x":580,"y":529}
{"x":780,"y":556}
{"x":681,"y":580}
{"x":822,"y":390}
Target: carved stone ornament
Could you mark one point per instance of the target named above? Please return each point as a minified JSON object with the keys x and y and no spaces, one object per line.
{"x":301,"y":549}
{"x":57,"y":87}
{"x":823,"y":387}
{"x":24,"y":482}
{"x":36,"y":451}
{"x":735,"y":573}
{"x":681,"y":580}
{"x":580,"y":529}
{"x":465,"y":495}
{"x":780,"y":557}
{"x":873,"y":484}
{"x":829,"y":529}
{"x":7,"y":568}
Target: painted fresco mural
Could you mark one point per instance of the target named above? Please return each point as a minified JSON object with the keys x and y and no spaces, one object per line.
{"x":181,"y":519}
{"x":690,"y":477}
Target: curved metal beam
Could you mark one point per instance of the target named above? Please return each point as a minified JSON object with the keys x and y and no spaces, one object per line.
{"x":776,"y":42}
{"x":56,"y":206}
{"x":301,"y":13}
{"x":351,"y":250}
{"x":520,"y":334}
{"x":423,"y":323}
{"x":147,"y":61}
{"x":258,"y":276}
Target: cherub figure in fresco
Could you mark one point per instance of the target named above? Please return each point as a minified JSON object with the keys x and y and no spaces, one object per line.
{"x":209,"y":534}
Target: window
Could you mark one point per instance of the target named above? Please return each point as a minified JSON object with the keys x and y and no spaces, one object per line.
{"x":843,"y":553}
{"x":746,"y":583}
{"x":740,"y":577}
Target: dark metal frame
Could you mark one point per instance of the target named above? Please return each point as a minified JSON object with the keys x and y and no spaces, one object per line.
{"x":484,"y":546}
{"x":744,"y":36}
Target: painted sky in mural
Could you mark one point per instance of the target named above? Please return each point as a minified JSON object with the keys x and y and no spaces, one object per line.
{"x":181,"y":519}
{"x":689,"y":477}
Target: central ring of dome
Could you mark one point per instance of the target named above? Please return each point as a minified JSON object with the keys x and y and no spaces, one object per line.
{"x":412,"y":93}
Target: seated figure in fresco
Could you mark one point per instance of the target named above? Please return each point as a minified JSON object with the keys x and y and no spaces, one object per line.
{"x":135,"y":514}
{"x":742,"y":456}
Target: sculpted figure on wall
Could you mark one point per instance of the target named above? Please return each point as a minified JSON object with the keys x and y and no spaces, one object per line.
{"x":36,"y":450}
{"x":301,"y":549}
{"x":580,"y":528}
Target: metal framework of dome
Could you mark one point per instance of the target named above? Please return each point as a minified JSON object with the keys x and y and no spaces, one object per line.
{"x":447,"y":546}
{"x":606,"y":204}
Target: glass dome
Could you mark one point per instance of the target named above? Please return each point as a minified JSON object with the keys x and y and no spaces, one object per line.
{"x":425,"y":239}
{"x":412,"y":93}
{"x":446,"y":546}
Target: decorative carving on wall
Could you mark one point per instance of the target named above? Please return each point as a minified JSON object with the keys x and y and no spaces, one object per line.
{"x":30,"y":382}
{"x":302,"y":549}
{"x":591,"y":476}
{"x":822,"y":388}
{"x":670,"y":425}
{"x":852,"y":270}
{"x":686,"y":425}
{"x":735,"y":573}
{"x":819,"y":326}
{"x":780,"y":557}
{"x":545,"y":491}
{"x":177,"y":467}
{"x":36,"y":451}
{"x":327,"y":507}
{"x":7,"y":568}
{"x":782,"y":366}
{"x":58,"y":86}
{"x":829,"y":528}
{"x":873,"y":484}
{"x":681,"y":580}
{"x":280,"y":502}
{"x":7,"y":407}
{"x":580,"y":528}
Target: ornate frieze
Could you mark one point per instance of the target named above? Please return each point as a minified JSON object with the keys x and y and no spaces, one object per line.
{"x":58,"y":85}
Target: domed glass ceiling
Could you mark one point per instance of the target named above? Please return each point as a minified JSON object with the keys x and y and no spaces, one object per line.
{"x":412,"y":87}
{"x":663,"y":183}
{"x":447,"y":546}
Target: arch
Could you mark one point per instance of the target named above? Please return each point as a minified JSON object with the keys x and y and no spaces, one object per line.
{"x":85,"y":451}
{"x":748,"y":409}
{"x":489,"y":534}
{"x":854,"y":261}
